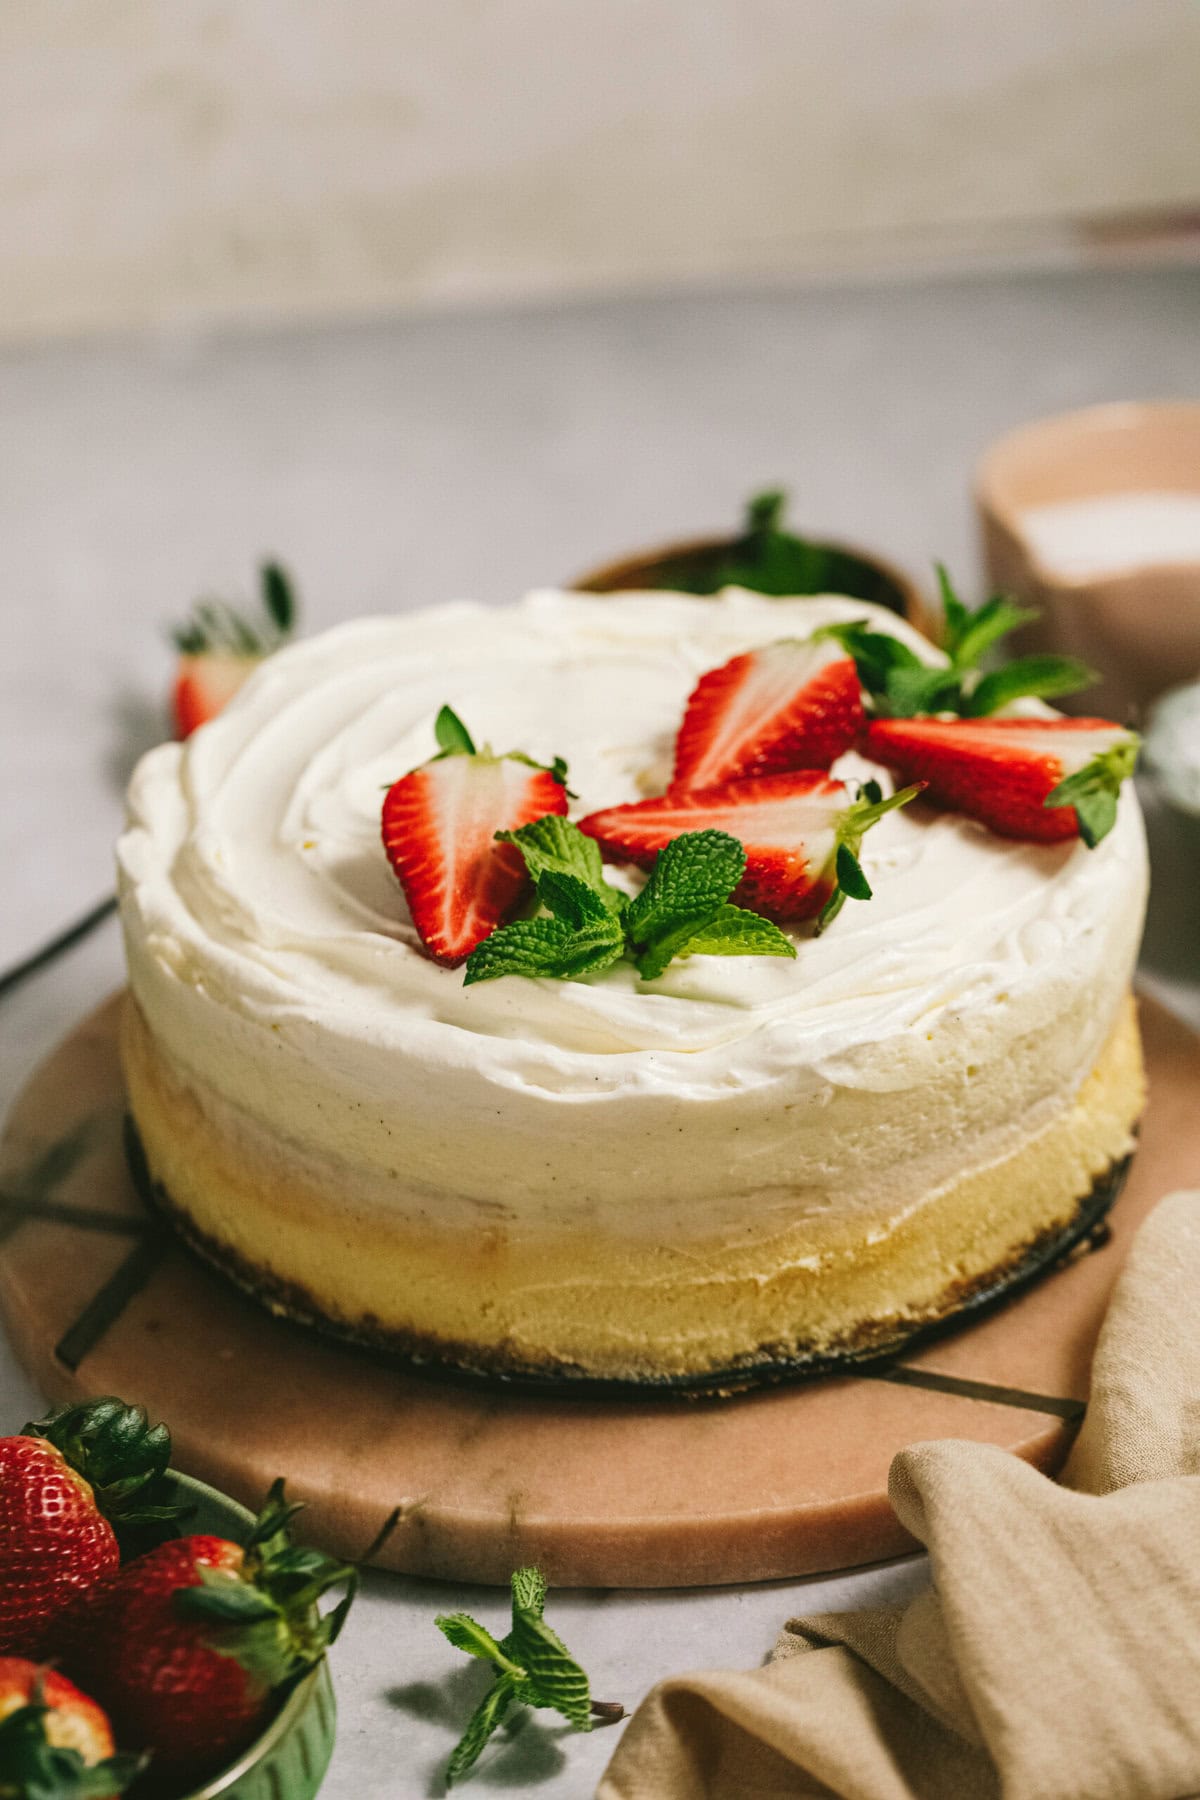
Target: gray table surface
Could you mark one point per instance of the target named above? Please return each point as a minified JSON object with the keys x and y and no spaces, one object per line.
{"x":404,"y":463}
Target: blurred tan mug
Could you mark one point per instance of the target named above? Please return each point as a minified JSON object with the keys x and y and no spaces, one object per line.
{"x":1095,"y":518}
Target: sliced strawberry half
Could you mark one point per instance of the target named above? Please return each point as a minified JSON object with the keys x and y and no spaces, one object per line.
{"x":439,"y":831}
{"x":1041,"y":779}
{"x":801,"y":832}
{"x":795,"y":704}
{"x":220,"y":648}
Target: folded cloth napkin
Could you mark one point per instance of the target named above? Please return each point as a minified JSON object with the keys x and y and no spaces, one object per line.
{"x":1056,"y":1655}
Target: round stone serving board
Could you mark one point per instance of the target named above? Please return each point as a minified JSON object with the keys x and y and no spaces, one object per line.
{"x":100,"y":1298}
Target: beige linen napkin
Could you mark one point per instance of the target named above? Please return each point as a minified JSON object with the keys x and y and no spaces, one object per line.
{"x":1056,"y":1655}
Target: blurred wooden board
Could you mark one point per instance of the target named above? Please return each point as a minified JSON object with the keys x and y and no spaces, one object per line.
{"x":99,"y":1298}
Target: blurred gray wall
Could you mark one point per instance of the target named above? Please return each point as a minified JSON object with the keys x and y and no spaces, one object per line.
{"x":162,"y":160}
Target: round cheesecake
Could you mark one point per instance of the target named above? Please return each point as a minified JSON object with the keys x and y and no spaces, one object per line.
{"x":747,"y":1162}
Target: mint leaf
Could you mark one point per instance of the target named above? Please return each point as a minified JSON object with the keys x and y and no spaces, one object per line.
{"x":692,"y":875}
{"x":970,"y":635}
{"x":533,"y":1668}
{"x":487,"y":1718}
{"x":1038,"y":676}
{"x":453,"y":738}
{"x":907,"y":691}
{"x":529,"y":1590}
{"x":672,"y":941}
{"x":955,"y":615}
{"x":1094,"y":790}
{"x":572,"y":900}
{"x":466,"y":1633}
{"x":554,"y":844}
{"x":876,"y":653}
{"x":552,"y":1676}
{"x":733,"y":931}
{"x":550,"y":947}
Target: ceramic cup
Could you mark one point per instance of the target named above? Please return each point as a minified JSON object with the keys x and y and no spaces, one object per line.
{"x":1138,"y":626}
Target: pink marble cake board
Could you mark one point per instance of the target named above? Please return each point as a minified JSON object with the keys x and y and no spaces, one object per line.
{"x":99,"y":1298}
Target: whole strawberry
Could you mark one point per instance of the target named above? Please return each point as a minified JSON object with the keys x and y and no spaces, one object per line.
{"x":189,"y":1645}
{"x":220,"y":648}
{"x":55,"y":1742}
{"x":66,"y":1484}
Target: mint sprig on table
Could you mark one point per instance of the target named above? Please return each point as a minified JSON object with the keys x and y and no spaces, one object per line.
{"x":900,"y":685}
{"x":683,"y":910}
{"x":531,"y":1665}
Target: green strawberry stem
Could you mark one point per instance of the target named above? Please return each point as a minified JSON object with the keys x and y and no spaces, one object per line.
{"x":1094,"y":790}
{"x":216,"y":628}
{"x":31,"y":1766}
{"x":850,"y":879}
{"x":453,"y":739}
{"x":122,"y":1457}
{"x":267,"y":1616}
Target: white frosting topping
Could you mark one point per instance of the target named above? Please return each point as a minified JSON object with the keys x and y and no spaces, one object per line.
{"x":270,"y":947}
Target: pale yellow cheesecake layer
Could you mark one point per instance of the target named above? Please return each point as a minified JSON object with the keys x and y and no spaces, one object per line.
{"x":799,"y":1273}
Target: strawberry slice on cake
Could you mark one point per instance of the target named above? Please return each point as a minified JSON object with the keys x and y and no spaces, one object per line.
{"x":1041,"y":779}
{"x":801,"y":832}
{"x":439,"y":831}
{"x":794,"y":704}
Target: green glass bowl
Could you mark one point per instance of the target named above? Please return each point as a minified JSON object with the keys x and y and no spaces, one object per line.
{"x":289,"y":1760}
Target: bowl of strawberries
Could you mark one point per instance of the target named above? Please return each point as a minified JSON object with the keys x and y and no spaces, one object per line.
{"x":156,"y":1638}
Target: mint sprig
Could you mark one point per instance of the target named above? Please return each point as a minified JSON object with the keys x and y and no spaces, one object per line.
{"x":1094,"y":790}
{"x":900,"y":685}
{"x":683,"y":910}
{"x":531,"y":1667}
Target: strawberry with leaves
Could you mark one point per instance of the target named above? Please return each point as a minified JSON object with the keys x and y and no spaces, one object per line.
{"x":55,"y":1742}
{"x":190,"y":1646}
{"x":220,"y":647}
{"x":1045,"y":780}
{"x":68,"y":1485}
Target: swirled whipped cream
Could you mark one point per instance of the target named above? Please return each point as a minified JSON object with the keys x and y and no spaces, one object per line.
{"x":271,"y":952}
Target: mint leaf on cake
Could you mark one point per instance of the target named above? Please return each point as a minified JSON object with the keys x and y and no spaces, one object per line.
{"x":900,"y":685}
{"x":681,"y":911}
{"x":531,"y":1667}
{"x":553,"y":844}
{"x":439,"y":831}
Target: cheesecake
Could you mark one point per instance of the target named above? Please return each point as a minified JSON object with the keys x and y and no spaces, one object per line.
{"x":743,"y":1167}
